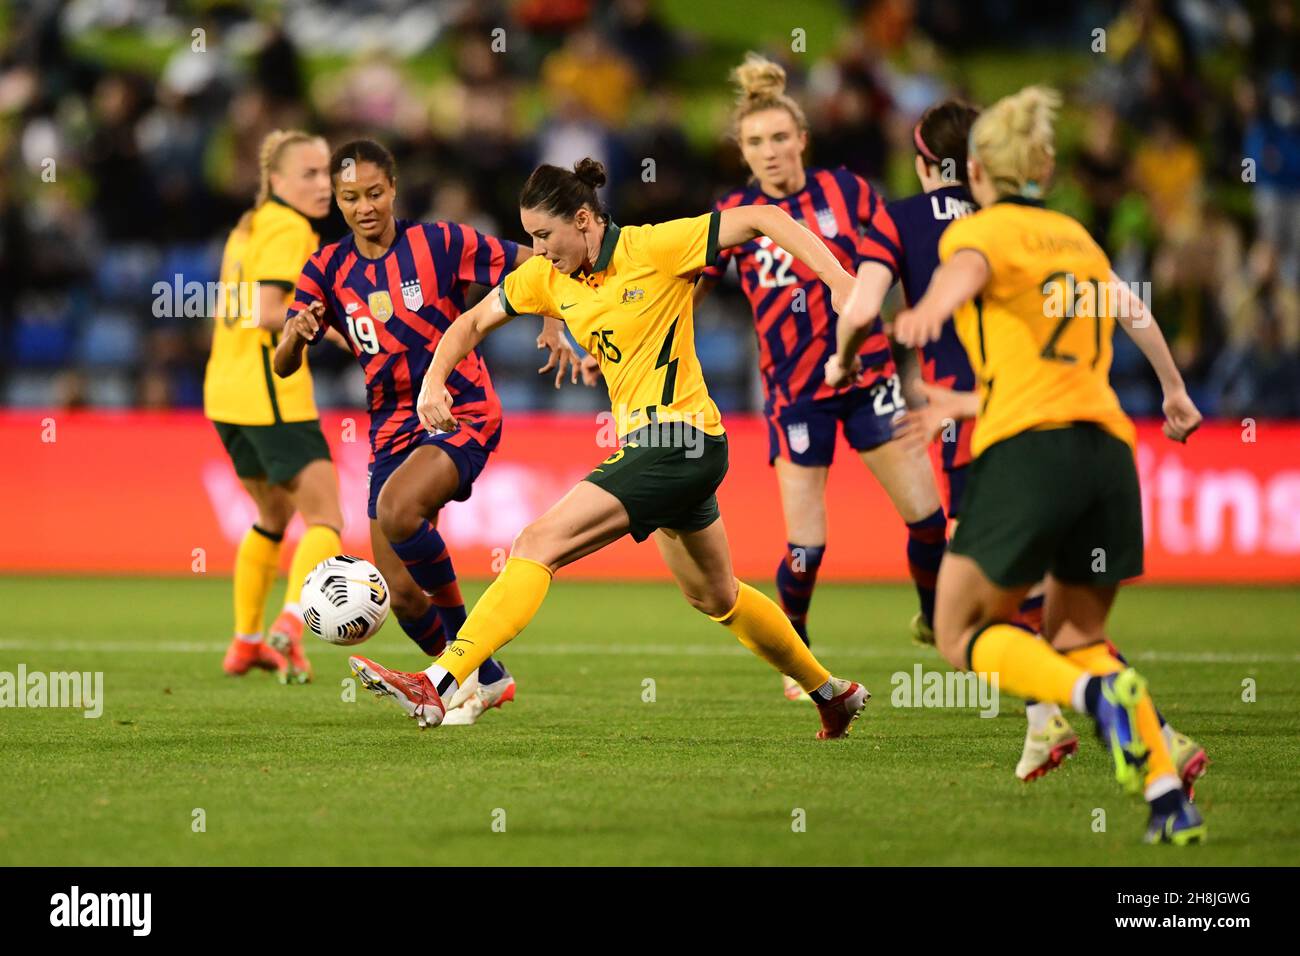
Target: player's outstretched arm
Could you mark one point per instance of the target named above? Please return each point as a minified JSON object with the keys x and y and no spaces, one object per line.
{"x":299,"y":331}
{"x":739,"y":224}
{"x":461,"y":338}
{"x":853,"y":325}
{"x":1181,"y":414}
{"x":954,"y":283}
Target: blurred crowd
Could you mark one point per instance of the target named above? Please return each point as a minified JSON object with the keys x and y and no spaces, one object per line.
{"x":1181,"y":154}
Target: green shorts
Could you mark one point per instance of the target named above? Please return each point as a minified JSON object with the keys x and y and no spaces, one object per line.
{"x":666,"y":476}
{"x":274,"y":452}
{"x":1064,"y":500}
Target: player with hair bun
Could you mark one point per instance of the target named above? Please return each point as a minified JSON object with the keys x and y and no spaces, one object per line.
{"x":625,"y":293}
{"x":796,"y":328}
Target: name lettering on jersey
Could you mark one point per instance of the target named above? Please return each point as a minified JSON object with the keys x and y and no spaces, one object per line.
{"x":412,"y":294}
{"x":381,"y":306}
{"x":632,"y":295}
{"x":953,"y":208}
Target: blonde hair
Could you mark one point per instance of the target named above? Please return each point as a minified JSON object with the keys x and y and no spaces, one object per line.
{"x":1012,"y":139}
{"x":269,"y":156}
{"x":760,"y":85}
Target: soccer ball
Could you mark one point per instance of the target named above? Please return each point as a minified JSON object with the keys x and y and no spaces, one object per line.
{"x":344,"y":600}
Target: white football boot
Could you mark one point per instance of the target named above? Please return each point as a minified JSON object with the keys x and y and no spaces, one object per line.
{"x":480,"y":699}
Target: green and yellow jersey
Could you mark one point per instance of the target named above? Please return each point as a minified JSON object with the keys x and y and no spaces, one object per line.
{"x":633,"y":311}
{"x":1039,"y":334}
{"x":239,"y":387}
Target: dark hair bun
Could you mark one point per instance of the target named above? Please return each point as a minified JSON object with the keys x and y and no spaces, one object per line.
{"x":591,"y":172}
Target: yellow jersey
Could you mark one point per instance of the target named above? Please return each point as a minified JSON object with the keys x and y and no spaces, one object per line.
{"x":1039,"y":334}
{"x":633,"y":311}
{"x":239,"y":386}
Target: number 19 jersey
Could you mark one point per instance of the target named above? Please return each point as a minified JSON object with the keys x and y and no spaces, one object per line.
{"x":393,"y":311}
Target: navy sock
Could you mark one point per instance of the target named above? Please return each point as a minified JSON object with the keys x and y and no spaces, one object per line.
{"x":427,"y":631}
{"x":490,"y":671}
{"x":425,"y":556}
{"x":926,"y":541}
{"x":1091,"y":694}
{"x":796,"y":576}
{"x":1029,"y":616}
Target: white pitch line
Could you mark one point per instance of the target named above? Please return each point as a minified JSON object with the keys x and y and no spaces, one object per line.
{"x":721,"y":649}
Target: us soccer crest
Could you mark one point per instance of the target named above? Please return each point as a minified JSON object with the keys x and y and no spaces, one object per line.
{"x":412,"y":295}
{"x":798,"y":435}
{"x":826,"y":222}
{"x":381,"y":306}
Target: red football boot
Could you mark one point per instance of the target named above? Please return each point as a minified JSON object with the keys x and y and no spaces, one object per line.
{"x":839,"y":713}
{"x":414,"y":693}
{"x":242,"y":656}
{"x":286,"y":639}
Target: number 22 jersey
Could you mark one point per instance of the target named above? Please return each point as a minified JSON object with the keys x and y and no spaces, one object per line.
{"x":393,"y":311}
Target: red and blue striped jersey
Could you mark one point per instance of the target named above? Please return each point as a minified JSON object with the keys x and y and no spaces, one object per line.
{"x":393,"y":311}
{"x":792,"y":310}
{"x":905,"y":239}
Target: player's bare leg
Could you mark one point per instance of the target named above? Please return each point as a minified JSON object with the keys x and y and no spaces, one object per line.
{"x":700,"y":562}
{"x":907,"y":477}
{"x":803,"y":503}
{"x":256,"y":566}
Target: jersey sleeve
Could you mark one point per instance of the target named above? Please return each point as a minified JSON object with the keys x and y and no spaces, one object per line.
{"x":277,"y":251}
{"x":880,"y":239}
{"x":681,"y":247}
{"x":967,"y":233}
{"x":526,"y":291}
{"x":310,"y":287}
{"x":722,"y":261}
{"x":477,"y":257}
{"x":979,"y":232}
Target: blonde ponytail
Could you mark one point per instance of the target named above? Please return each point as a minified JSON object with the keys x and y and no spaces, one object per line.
{"x":1013,"y":141}
{"x":272,"y":152}
{"x":760,"y":85}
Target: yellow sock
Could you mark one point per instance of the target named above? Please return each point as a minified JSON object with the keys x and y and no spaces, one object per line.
{"x":319,"y":542}
{"x":256,"y":563}
{"x":1159,"y":763}
{"x":1026,"y":666}
{"x":759,"y":623}
{"x":1095,"y":659}
{"x":504,"y":610}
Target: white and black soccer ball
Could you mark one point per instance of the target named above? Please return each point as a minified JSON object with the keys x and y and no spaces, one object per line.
{"x":344,"y":600}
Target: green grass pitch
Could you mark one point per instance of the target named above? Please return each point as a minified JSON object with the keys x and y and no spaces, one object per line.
{"x":584,"y":770}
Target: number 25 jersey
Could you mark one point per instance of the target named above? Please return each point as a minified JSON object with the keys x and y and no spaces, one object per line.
{"x":633,"y":312}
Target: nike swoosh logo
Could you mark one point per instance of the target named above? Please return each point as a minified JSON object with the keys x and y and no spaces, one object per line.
{"x":569,"y":306}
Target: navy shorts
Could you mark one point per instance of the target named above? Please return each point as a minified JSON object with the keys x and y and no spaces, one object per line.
{"x":467,"y":454}
{"x":805,"y":433}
